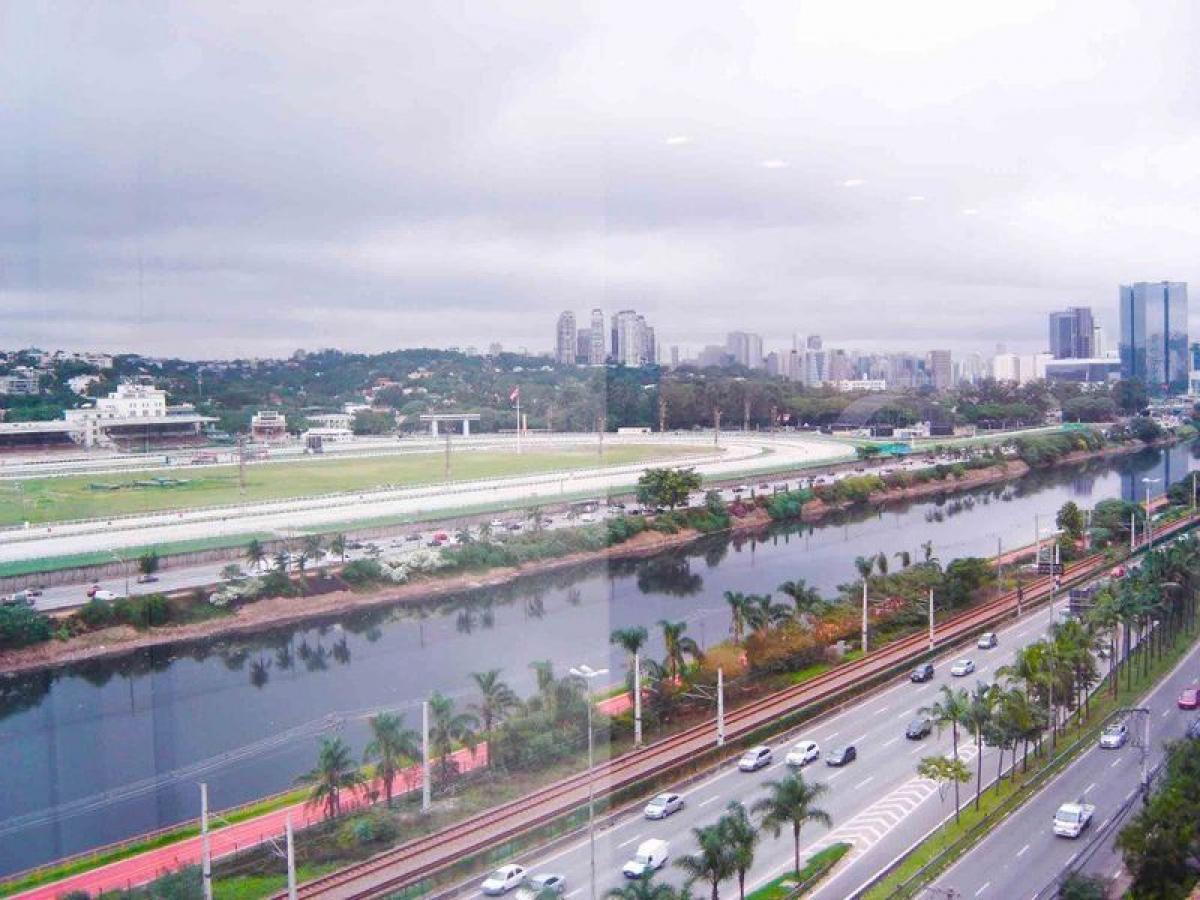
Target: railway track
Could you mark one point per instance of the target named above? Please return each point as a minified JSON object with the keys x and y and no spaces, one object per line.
{"x":409,"y":863}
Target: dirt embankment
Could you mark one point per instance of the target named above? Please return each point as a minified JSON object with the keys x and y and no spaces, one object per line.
{"x":264,"y":615}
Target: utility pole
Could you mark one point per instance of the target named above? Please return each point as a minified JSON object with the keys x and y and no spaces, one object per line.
{"x":241,"y":444}
{"x":1132,"y":531}
{"x":637,"y":700}
{"x":205,"y":850}
{"x":447,"y":473}
{"x":587,"y":673}
{"x":1193,"y":493}
{"x":716,"y":426}
{"x":291,"y":860}
{"x":999,"y":565}
{"x":600,"y":437}
{"x":746,"y":413}
{"x":720,"y":707}
{"x":518,"y":399}
{"x":662,"y":412}
{"x":425,"y":785}
{"x":866,"y":578}
{"x":931,"y":618}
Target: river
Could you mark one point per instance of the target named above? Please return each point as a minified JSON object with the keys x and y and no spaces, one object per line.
{"x":96,"y":753}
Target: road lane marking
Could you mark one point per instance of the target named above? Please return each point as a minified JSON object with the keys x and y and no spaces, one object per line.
{"x":574,"y":892}
{"x":915,"y":750}
{"x":889,"y":743}
{"x":1021,"y":852}
{"x":630,"y":841}
{"x":1115,"y":763}
{"x":832,"y":735}
{"x":836,"y":774}
{"x":881,"y":709}
{"x":864,"y":783}
{"x":984,"y":887}
{"x":1165,"y":713}
{"x":1089,"y":787}
{"x":709,"y":800}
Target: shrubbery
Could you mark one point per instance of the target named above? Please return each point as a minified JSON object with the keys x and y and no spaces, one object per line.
{"x":21,"y":626}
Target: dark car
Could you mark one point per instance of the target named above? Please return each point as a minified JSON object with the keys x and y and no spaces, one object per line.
{"x":923,"y":672}
{"x":841,"y":756}
{"x":918,"y":728}
{"x":415,"y":536}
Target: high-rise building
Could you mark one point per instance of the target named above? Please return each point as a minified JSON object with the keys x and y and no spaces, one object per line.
{"x":1154,"y":335}
{"x":1071,"y":333}
{"x":813,"y":342}
{"x":674,"y":356}
{"x":564,"y":346}
{"x":633,"y":339}
{"x":583,"y":345}
{"x":596,"y":355}
{"x":1006,"y":367}
{"x":774,"y":364}
{"x":941,"y":371}
{"x":745,"y":348}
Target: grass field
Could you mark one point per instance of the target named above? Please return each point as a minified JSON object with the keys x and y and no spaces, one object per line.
{"x":44,"y":500}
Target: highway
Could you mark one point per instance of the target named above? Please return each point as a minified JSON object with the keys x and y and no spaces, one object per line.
{"x":1022,"y":855}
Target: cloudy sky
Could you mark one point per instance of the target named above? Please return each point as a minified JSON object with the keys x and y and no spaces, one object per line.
{"x":194,"y":179}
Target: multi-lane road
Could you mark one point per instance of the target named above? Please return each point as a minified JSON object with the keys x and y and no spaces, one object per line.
{"x":878,"y":804}
{"x":1022,"y":856}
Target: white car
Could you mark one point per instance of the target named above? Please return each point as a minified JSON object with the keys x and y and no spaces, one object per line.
{"x":755,"y":758}
{"x":663,"y":805}
{"x":962,"y":667}
{"x":651,"y":855}
{"x":987,"y":640}
{"x":503,"y":880}
{"x":803,"y":753}
{"x":1072,"y":818}
{"x":1114,"y":736}
{"x":105,"y":595}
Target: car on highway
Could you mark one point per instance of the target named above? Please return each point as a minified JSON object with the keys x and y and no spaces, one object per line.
{"x":415,"y":536}
{"x":841,"y":756}
{"x":1072,"y":818}
{"x":987,"y":640}
{"x":147,"y":578}
{"x":1114,"y":736}
{"x":1189,"y":697}
{"x":755,"y":758}
{"x":104,"y":595}
{"x":922,"y":672}
{"x":663,"y":805}
{"x":962,"y":668}
{"x":503,"y":880}
{"x":20,"y":598}
{"x":651,"y":855}
{"x":918,"y":728}
{"x":802,"y":754}
{"x":496,"y":523}
{"x":544,"y":882}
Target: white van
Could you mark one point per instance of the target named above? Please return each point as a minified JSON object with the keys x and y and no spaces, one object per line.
{"x":651,"y":855}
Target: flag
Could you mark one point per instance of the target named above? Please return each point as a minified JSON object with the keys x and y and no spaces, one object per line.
{"x":515,"y":396}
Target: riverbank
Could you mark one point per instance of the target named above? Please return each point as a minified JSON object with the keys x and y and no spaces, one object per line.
{"x":268,"y":614}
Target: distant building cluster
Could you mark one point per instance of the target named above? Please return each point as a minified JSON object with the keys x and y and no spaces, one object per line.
{"x":630,"y":340}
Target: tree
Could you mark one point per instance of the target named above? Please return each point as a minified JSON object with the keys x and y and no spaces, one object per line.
{"x":148,"y":563}
{"x":944,"y":770}
{"x":1130,"y":396}
{"x":867,"y":451}
{"x":311,"y":548}
{"x":1070,"y":520}
{"x":977,"y":719}
{"x":792,"y":801}
{"x":643,"y":888}
{"x":335,"y":771}
{"x":446,"y":728}
{"x":678,"y":645}
{"x":950,"y":710}
{"x":391,"y":746}
{"x":368,"y":421}
{"x":231,"y":572}
{"x":496,"y":698}
{"x":808,"y":600}
{"x":712,"y":862}
{"x":1078,"y":886}
{"x":666,"y":487}
{"x":337,"y":545}
{"x":737,"y":614}
{"x":631,"y":640}
{"x":255,"y":554}
{"x":742,"y":838}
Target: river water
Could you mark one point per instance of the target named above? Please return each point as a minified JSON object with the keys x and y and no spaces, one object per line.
{"x":99,"y":752}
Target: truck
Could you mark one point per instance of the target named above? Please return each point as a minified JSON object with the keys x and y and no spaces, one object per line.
{"x":651,"y":855}
{"x":1072,"y":818}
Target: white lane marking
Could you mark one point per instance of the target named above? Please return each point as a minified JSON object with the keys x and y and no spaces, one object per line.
{"x":881,"y":709}
{"x":865,"y":782}
{"x":836,"y":774}
{"x":984,"y":887}
{"x":861,"y":740}
{"x":1071,"y":860}
{"x":709,"y":800}
{"x":1089,"y":787}
{"x":889,"y":743}
{"x":832,"y":735}
{"x":1021,"y":852}
{"x":574,"y":892}
{"x":1115,"y":763}
{"x":915,"y":750}
{"x":630,"y":841}
{"x":1166,"y":712}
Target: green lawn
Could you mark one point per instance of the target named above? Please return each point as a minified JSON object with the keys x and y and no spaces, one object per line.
{"x":44,"y":500}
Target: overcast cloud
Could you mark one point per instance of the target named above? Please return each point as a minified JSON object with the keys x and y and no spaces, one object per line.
{"x":193,"y":179}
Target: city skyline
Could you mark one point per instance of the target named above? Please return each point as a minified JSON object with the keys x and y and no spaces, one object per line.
{"x":675,"y":184}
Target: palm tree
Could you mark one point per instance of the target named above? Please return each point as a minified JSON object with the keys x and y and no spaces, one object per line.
{"x":337,"y":544}
{"x":391,"y":746}
{"x":881,"y":562}
{"x":865,"y":566}
{"x":927,"y":552}
{"x":644,"y":888}
{"x":679,"y":646}
{"x":495,"y":698}
{"x":446,"y":728}
{"x":950,"y":710}
{"x":978,"y":719}
{"x":791,"y":802}
{"x":905,"y":558}
{"x":737,"y":614}
{"x":313,"y":547}
{"x":741,"y":837}
{"x":762,"y":614}
{"x":335,"y":772}
{"x":631,"y":640}
{"x":282,"y":558}
{"x":806,"y":599}
{"x":255,"y":554}
{"x":713,"y":862}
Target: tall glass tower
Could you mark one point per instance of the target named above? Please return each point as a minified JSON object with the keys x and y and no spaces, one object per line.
{"x":1154,"y":335}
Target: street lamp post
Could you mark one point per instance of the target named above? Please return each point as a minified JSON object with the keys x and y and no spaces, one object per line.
{"x":1149,"y":525}
{"x":124,"y":568}
{"x":587,"y":673}
{"x":1055,"y":562}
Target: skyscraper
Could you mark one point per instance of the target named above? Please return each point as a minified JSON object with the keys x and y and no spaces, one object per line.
{"x":583,"y":345}
{"x":1154,"y":335}
{"x":629,"y":338}
{"x":745,"y":348}
{"x":1071,"y":333}
{"x":564,"y":347}
{"x":597,"y":355}
{"x":941,"y":371}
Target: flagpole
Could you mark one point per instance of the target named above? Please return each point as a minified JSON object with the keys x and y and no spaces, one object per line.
{"x":518,"y":420}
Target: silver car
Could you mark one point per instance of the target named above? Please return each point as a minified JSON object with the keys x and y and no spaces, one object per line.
{"x":663,"y":805}
{"x":1114,"y":736}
